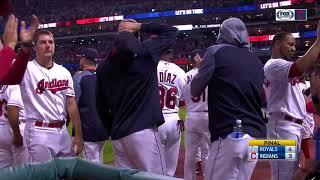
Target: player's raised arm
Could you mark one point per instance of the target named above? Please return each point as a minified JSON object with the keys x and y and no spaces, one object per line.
{"x":163,"y":38}
{"x":304,"y":63}
{"x":12,"y":73}
{"x":126,"y":43}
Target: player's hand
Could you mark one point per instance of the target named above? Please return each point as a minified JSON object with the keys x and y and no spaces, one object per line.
{"x":26,"y":35}
{"x":17,"y":140}
{"x":129,"y":26}
{"x":10,"y":36}
{"x":77,"y":145}
{"x":180,"y":126}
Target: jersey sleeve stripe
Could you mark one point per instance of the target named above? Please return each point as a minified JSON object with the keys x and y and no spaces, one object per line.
{"x":15,"y":104}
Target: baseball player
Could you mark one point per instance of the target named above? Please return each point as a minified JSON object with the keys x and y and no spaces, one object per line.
{"x":12,"y":148}
{"x":196,"y":126}
{"x":234,"y":77}
{"x":172,"y":80}
{"x":47,"y":92}
{"x":128,"y":95}
{"x":286,"y":106}
{"x":94,"y":134}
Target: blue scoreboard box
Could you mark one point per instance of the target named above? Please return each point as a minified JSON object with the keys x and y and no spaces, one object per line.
{"x":268,"y":149}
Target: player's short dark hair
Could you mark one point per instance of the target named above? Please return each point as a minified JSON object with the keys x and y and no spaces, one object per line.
{"x":39,"y":33}
{"x":280,"y":36}
{"x":195,"y":52}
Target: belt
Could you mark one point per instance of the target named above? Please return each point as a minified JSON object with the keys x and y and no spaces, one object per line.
{"x":289,"y":118}
{"x":51,"y":124}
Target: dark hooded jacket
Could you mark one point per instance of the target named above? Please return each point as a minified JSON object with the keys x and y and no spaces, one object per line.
{"x":234,"y":77}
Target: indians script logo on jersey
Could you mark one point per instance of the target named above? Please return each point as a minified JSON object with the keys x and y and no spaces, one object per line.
{"x":53,"y":86}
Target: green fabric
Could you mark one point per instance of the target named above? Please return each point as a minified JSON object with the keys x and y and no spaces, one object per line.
{"x":75,"y":168}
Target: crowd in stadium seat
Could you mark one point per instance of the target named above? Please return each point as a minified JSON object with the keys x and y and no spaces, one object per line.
{"x":62,"y":10}
{"x":58,"y":10}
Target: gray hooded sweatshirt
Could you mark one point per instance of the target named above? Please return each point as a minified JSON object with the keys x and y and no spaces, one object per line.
{"x":234,"y":77}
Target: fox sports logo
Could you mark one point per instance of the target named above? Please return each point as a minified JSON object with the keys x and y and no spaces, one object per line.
{"x":285,"y":14}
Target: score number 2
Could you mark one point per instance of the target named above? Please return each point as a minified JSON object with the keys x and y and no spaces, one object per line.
{"x":168,"y":97}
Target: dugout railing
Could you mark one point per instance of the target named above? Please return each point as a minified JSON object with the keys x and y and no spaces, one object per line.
{"x":75,"y":169}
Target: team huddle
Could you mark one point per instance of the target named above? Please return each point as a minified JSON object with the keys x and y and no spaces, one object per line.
{"x":133,"y":97}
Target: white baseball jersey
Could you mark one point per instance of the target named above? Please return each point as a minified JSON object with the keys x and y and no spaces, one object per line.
{"x":283,"y":93}
{"x":194,"y":104}
{"x":44,"y":92}
{"x":9,"y":95}
{"x":172,"y":80}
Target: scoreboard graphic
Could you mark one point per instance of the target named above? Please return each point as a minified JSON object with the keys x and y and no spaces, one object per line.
{"x":291,"y":14}
{"x":269,"y":149}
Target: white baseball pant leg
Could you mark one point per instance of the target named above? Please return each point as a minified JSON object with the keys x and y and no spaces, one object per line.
{"x":44,"y":143}
{"x":228,"y":159}
{"x":197,"y":137}
{"x":282,"y":129}
{"x":170,"y":137}
{"x":141,"y":150}
{"x":93,"y":151}
{"x":6,"y":156}
{"x":9,"y":154}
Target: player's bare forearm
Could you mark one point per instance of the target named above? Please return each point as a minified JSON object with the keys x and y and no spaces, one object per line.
{"x":311,"y":56}
{"x":13,"y":118}
{"x":17,"y":69}
{"x":74,"y":115}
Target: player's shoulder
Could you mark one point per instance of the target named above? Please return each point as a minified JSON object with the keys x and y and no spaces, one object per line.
{"x":79,"y":75}
{"x":13,"y":87}
{"x":275,"y":62}
{"x":61,"y":69}
{"x":177,"y":68}
{"x":192,"y":72}
{"x":32,"y":63}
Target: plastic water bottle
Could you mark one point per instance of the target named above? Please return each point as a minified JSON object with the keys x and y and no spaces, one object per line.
{"x":237,"y":130}
{"x":317,"y":148}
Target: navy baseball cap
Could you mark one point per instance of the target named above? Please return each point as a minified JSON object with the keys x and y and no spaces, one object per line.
{"x":90,"y":54}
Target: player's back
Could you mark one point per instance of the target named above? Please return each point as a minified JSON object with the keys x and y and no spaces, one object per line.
{"x":193,"y":104}
{"x":172,"y":80}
